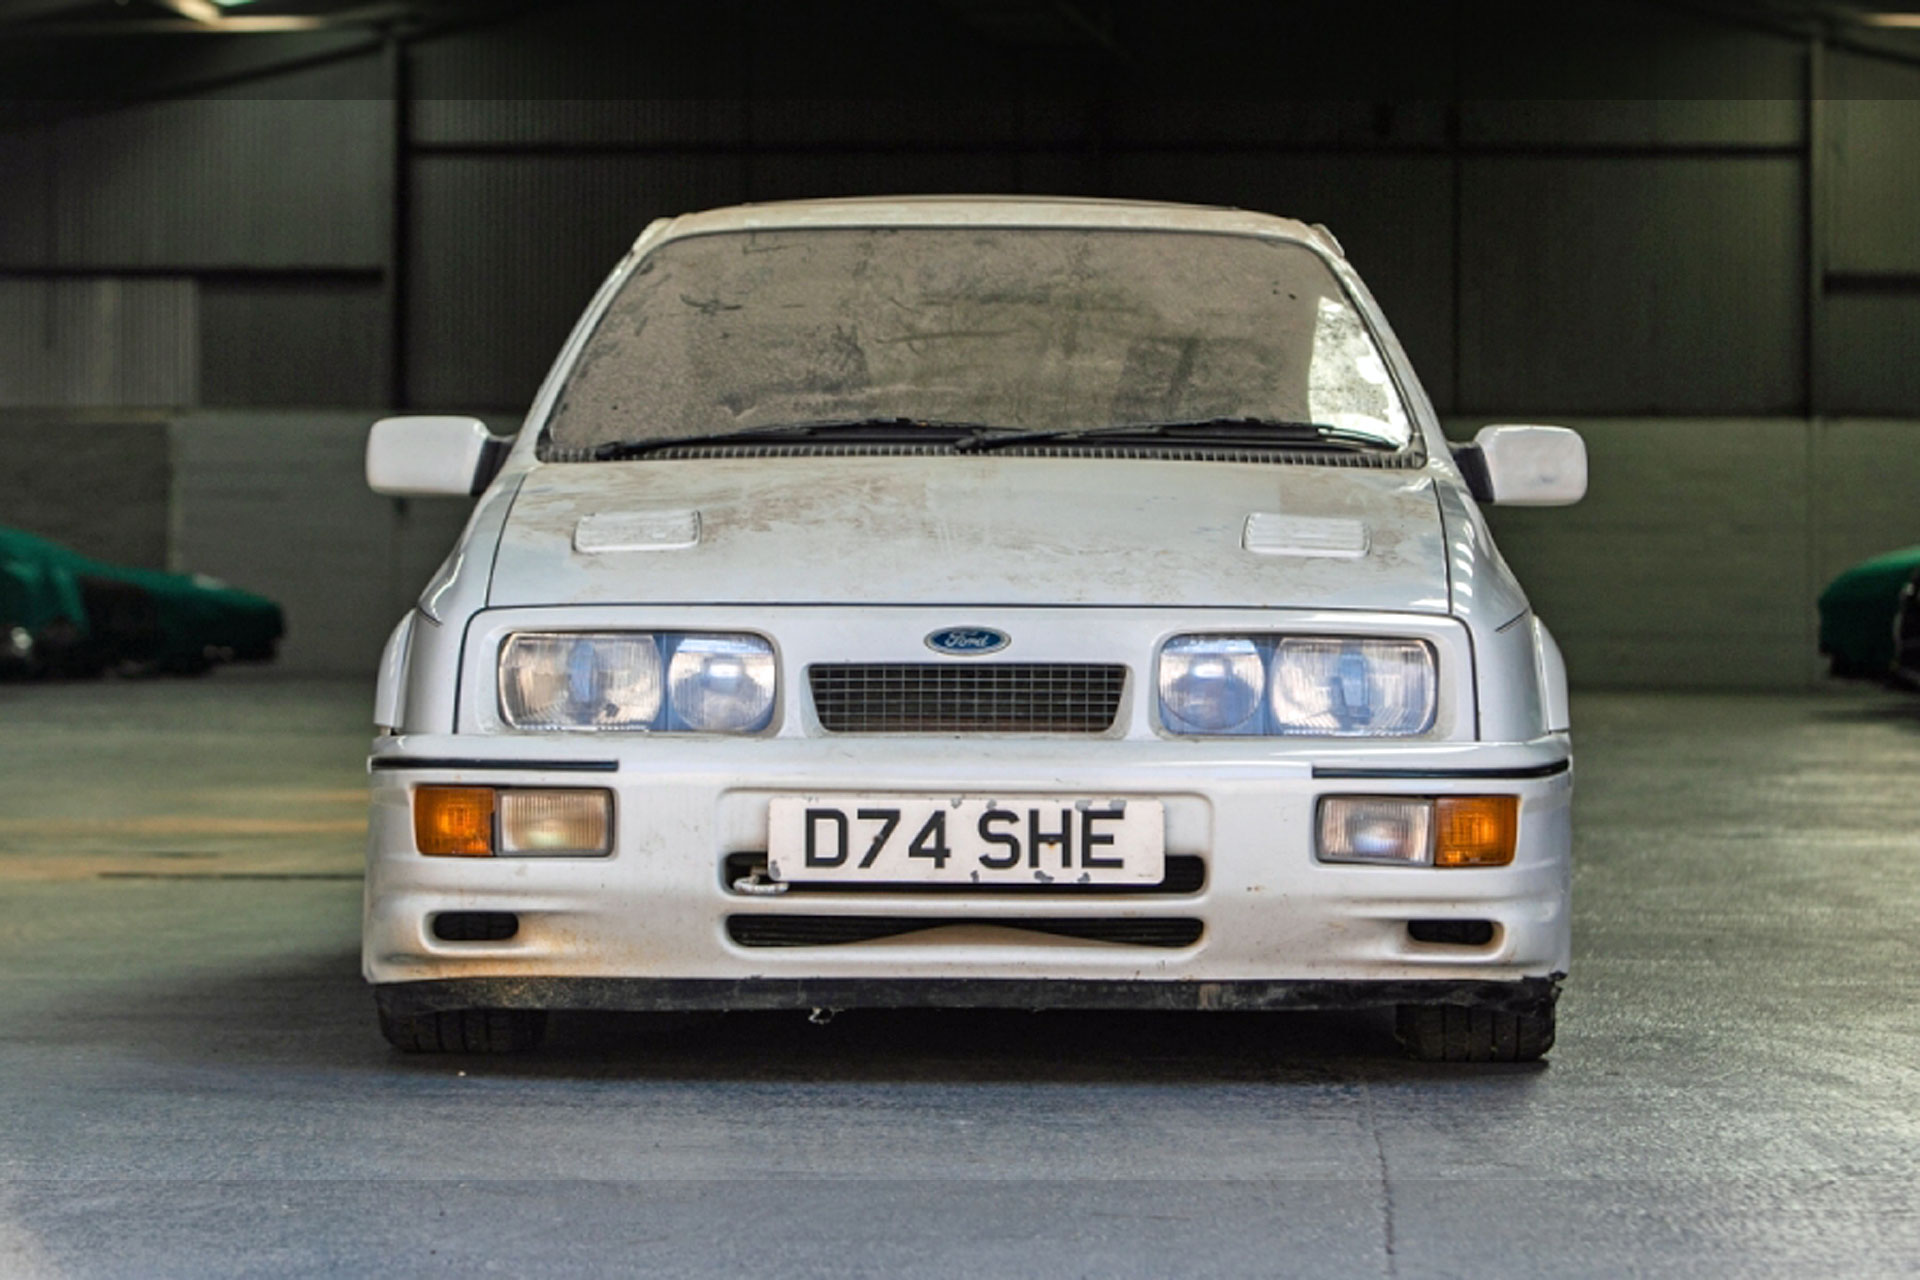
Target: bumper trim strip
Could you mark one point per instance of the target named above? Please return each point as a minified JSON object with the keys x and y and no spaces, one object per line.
{"x":1553,"y":769}
{"x":663,"y":994}
{"x":535,"y":766}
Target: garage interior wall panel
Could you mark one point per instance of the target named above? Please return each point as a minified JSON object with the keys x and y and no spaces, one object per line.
{"x":1184,"y":124}
{"x":1606,"y":50}
{"x":1869,"y":332}
{"x":1873,"y":177}
{"x":1690,"y":122}
{"x":1670,"y":285}
{"x":277,"y":503}
{"x":1870,"y":352}
{"x":292,"y":342}
{"x":1866,"y":491}
{"x":571,"y":56}
{"x":856,"y":173}
{"x":252,"y":183}
{"x":857,"y":123}
{"x":535,"y":123}
{"x":1686,"y":565}
{"x":1392,"y":214}
{"x":1361,"y":51}
{"x":95,"y":483}
{"x":509,"y":249}
{"x":26,"y":208}
{"x":98,"y":341}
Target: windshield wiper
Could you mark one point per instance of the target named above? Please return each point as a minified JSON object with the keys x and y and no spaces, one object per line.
{"x":1231,"y":431}
{"x":975,"y":437}
{"x":875,"y":430}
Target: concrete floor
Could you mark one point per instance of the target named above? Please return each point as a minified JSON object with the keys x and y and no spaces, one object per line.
{"x":191,"y":1083}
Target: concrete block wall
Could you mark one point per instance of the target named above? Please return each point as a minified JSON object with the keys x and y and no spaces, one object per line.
{"x":95,"y":482}
{"x":277,"y":502}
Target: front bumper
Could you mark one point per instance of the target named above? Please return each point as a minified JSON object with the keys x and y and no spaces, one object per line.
{"x":649,"y":926}
{"x":660,"y":995}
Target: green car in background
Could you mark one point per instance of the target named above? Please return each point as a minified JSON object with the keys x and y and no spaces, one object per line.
{"x":65,"y":614}
{"x":1857,"y":613}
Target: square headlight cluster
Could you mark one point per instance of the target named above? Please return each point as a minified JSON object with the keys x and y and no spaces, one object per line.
{"x":637,"y":681}
{"x":1317,"y":686}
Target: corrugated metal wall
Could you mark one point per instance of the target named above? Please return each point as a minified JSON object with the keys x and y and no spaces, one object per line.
{"x":98,"y":341}
{"x":227,"y":249}
{"x":1611,"y":219}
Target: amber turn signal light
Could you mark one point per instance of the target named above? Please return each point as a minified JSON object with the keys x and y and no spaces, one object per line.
{"x":454,"y":821}
{"x":1475,"y":831}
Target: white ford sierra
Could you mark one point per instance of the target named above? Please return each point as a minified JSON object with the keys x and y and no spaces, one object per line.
{"x":973,"y":602}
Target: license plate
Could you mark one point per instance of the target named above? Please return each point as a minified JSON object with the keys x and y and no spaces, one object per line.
{"x":967,"y":840}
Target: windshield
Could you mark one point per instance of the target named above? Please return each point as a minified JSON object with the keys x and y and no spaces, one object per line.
{"x":1016,"y":328}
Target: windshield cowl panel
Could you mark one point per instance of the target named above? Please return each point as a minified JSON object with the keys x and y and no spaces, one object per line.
{"x":1002,"y":331}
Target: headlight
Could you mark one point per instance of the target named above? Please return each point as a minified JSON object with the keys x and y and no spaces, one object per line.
{"x":1352,"y":688}
{"x":722,"y":684}
{"x":1297,"y":685}
{"x":637,"y":681}
{"x":1211,"y":684}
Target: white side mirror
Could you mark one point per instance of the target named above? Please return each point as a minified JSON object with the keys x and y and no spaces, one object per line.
{"x":1529,"y":466}
{"x":431,"y":457}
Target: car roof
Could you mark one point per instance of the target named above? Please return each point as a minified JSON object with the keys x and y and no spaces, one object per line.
{"x":989,"y":211}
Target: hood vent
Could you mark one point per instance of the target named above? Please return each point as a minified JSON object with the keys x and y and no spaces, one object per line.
{"x":1269,"y":534}
{"x":637,"y":531}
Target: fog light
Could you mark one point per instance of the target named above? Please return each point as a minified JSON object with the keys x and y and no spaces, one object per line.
{"x":556,"y":822}
{"x":1375,"y":829}
{"x":453,"y":821}
{"x":1476,"y":831}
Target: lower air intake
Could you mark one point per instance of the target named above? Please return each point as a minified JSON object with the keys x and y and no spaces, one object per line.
{"x":830,"y":931}
{"x":475,"y":926}
{"x":1451,"y":933}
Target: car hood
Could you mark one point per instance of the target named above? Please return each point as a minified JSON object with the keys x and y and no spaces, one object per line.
{"x":940,"y":529}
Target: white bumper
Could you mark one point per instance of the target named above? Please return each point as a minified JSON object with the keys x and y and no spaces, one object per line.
{"x":658,"y":909}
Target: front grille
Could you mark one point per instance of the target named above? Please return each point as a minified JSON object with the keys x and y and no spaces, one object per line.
{"x":831,"y":931}
{"x":1186,"y":873}
{"x":954,"y":697}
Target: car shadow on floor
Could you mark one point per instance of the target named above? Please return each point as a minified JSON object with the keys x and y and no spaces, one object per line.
{"x":313,"y":1012}
{"x":973,"y":1046}
{"x":977,"y":1046}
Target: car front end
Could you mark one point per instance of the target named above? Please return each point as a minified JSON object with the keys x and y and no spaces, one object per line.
{"x":829,"y":724}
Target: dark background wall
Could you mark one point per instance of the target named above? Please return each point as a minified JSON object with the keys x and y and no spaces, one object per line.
{"x":1687,"y":231}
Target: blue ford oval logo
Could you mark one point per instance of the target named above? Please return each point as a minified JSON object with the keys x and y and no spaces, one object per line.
{"x":968,"y":640}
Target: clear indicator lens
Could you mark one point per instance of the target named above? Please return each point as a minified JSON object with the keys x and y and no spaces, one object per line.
{"x":556,"y":822}
{"x":1352,"y":688}
{"x":1211,"y":684}
{"x":722,"y":684}
{"x":1375,"y":829}
{"x":580,"y":681}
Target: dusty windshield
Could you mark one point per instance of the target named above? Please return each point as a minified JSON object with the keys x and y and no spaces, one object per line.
{"x":1035,"y":330}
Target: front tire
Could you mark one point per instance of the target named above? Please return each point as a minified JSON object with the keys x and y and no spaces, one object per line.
{"x":1463,"y":1033}
{"x":463,"y":1030}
